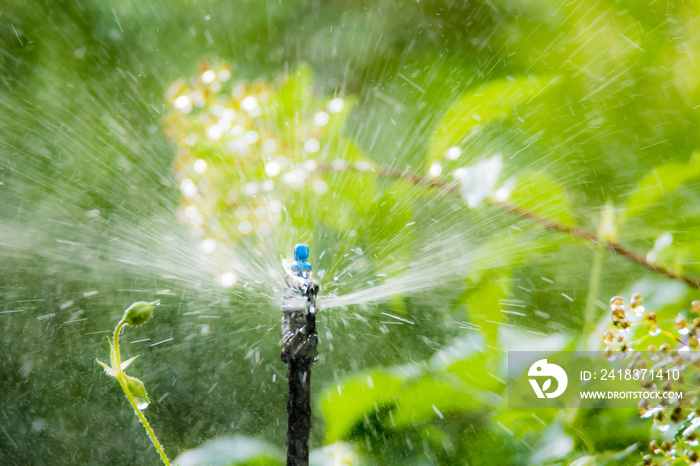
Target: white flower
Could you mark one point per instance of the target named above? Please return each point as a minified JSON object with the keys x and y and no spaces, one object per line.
{"x":479,"y":181}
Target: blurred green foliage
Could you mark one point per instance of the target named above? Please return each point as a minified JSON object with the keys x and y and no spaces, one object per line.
{"x":587,"y":103}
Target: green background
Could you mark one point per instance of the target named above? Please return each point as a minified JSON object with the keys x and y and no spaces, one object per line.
{"x":605,"y":112}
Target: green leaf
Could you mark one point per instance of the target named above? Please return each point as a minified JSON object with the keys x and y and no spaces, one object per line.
{"x":346,"y":405}
{"x":554,"y":444}
{"x":232,"y":451}
{"x":401,"y":396}
{"x":659,"y":182}
{"x":108,"y":369}
{"x":294,"y":98}
{"x":610,"y":458}
{"x":492,"y":102}
{"x":483,"y":304}
{"x":523,"y":423}
{"x":112,"y":353}
{"x":433,"y":396}
{"x":126,"y":363}
{"x":478,"y":372}
{"x":538,"y":193}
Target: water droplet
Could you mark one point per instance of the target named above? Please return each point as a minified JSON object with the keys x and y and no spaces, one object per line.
{"x":214,"y":132}
{"x":275,"y":206}
{"x":453,"y":153}
{"x":208,"y":245}
{"x":228,"y":279}
{"x":216,"y":110}
{"x":224,"y":75}
{"x":435,"y":170}
{"x":38,"y":425}
{"x":250,"y":189}
{"x":335,"y":105}
{"x":250,"y":137}
{"x":363,"y":166}
{"x":270,"y":145}
{"x":244,"y":228}
{"x":321,"y":119}
{"x":200,"y":166}
{"x":188,"y":187}
{"x":311,"y":146}
{"x":339,"y":165}
{"x":208,"y":76}
{"x":183,"y":103}
{"x":141,"y":404}
{"x":237,"y":131}
{"x":249,"y":104}
{"x":320,"y":187}
{"x":272,"y":169}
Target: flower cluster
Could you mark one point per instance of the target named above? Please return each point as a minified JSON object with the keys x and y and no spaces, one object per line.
{"x":656,"y":349}
{"x":244,"y":148}
{"x":616,"y":338}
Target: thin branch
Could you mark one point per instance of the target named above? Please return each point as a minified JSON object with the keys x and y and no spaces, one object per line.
{"x":553,"y":225}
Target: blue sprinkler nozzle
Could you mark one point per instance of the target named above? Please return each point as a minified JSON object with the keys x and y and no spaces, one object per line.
{"x":301,"y":255}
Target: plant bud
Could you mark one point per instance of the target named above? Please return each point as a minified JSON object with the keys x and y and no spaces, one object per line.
{"x":695,"y":306}
{"x":139,"y":312}
{"x":607,"y":229}
{"x":677,"y":414}
{"x":137,"y":388}
{"x":653,"y":446}
{"x":617,"y":302}
{"x":643,"y":407}
{"x":667,"y":445}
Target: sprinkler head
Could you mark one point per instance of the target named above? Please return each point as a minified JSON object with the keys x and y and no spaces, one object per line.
{"x":299,"y":308}
{"x":301,"y":256}
{"x":302,"y":288}
{"x":312,"y":289}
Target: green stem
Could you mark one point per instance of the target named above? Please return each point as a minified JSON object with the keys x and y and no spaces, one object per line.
{"x":553,"y":225}
{"x":144,"y":421}
{"x":117,"y":330}
{"x":573,"y":415}
{"x":121,"y":378}
{"x":589,"y":313}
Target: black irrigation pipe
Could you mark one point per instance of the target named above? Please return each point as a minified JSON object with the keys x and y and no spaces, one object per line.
{"x":299,"y":352}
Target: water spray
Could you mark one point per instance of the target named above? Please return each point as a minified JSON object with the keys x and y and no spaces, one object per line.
{"x":299,"y":352}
